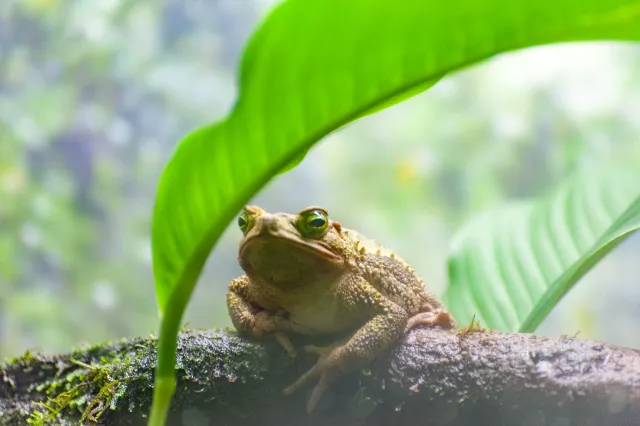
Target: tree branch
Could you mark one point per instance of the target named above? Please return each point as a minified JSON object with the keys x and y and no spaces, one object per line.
{"x":433,"y":377}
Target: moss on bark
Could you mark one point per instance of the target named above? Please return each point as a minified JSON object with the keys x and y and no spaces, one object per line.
{"x":433,"y":377}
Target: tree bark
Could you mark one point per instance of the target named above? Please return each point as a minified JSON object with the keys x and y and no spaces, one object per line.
{"x":432,"y":377}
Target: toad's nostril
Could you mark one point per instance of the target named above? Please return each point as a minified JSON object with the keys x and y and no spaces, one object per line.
{"x":269,"y":224}
{"x":273,"y":225}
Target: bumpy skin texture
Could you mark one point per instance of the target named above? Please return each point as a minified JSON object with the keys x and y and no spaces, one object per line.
{"x":307,"y":274}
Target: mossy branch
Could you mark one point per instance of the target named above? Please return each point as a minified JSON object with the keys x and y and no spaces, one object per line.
{"x":433,"y":377}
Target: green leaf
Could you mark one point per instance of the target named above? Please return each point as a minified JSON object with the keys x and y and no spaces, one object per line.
{"x":510,"y":267}
{"x":313,"y":67}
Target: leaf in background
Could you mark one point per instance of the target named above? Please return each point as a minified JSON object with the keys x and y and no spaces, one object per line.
{"x":511,"y":266}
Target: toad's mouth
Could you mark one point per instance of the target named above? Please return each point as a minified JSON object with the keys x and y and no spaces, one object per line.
{"x":269,"y":242}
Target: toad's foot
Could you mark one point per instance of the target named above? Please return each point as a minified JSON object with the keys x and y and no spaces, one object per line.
{"x":327,"y":369}
{"x":437,"y":317}
{"x":285,"y":342}
{"x":278,"y":324}
{"x":267,"y":322}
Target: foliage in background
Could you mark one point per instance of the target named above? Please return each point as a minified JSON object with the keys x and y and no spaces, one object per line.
{"x":84,"y":133}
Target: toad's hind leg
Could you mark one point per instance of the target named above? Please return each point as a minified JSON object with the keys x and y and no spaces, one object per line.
{"x":386,"y":325}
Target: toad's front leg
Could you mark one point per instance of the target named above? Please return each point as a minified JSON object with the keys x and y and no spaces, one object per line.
{"x":386,"y":325}
{"x":247,"y":316}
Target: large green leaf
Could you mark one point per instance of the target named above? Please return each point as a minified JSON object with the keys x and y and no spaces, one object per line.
{"x":316,"y":65}
{"x":509,"y":267}
{"x":311,"y":68}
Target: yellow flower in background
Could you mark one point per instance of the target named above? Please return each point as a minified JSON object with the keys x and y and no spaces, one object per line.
{"x":406,"y":171}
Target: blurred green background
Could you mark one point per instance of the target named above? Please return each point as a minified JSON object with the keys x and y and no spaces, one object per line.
{"x":95,"y":95}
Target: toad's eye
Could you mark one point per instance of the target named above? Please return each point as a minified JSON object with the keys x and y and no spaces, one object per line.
{"x":313,"y":223}
{"x":244,"y":222}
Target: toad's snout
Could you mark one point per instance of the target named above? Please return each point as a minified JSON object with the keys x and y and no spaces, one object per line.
{"x":268,"y":225}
